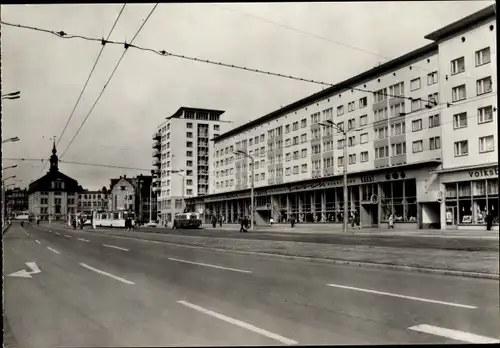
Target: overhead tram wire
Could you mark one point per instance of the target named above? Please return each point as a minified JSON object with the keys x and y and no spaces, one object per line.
{"x":327,"y":39}
{"x":164,"y":53}
{"x":88,"y":79}
{"x":368,"y":126}
{"x":126,"y":46}
{"x":77,"y":163}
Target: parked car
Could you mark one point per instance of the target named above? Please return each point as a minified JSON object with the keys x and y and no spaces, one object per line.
{"x":152,"y":224}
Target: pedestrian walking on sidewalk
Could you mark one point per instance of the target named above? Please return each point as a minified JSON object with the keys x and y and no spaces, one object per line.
{"x":243,"y":223}
{"x":220,"y":221}
{"x":292,"y":221}
{"x":391,"y":221}
{"x":489,"y":221}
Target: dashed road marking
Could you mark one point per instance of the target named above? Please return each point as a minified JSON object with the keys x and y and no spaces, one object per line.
{"x":84,"y":240}
{"x":67,"y":236}
{"x":106,"y":274}
{"x":453,"y":334}
{"x":213,"y":266}
{"x":58,"y":233}
{"x":239,"y":323}
{"x":115,"y":247}
{"x":53,"y":250}
{"x":37,"y":241}
{"x":402,"y":296}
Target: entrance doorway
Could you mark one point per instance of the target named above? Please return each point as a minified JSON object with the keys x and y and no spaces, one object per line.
{"x":369,"y":214}
{"x":451,"y":217}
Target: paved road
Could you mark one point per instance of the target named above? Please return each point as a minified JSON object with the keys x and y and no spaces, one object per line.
{"x":465,"y":243}
{"x":99,"y":290}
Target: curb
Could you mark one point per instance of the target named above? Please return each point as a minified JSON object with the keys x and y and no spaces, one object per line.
{"x":4,"y":230}
{"x":327,"y":260}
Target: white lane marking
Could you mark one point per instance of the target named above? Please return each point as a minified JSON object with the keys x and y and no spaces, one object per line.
{"x":453,"y":334}
{"x":213,"y":266}
{"x":53,"y":250}
{"x":38,"y":242}
{"x":403,"y":296}
{"x":67,"y":236}
{"x":84,"y":240}
{"x":115,"y":247}
{"x":106,"y":274}
{"x":239,"y":323}
{"x":58,"y":233}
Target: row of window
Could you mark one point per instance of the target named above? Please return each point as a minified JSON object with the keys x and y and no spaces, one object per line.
{"x":483,"y":86}
{"x":486,"y":144}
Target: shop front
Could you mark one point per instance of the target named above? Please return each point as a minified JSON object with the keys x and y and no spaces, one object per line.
{"x":470,"y":195}
{"x":371,"y":196}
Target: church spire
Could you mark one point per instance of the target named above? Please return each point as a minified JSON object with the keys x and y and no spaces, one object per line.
{"x":53,"y":159}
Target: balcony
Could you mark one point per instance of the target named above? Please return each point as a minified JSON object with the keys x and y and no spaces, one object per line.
{"x":202,"y":182}
{"x":202,"y":134}
{"x":157,"y":136}
{"x":203,"y":144}
{"x":156,"y":172}
{"x":156,"y":153}
{"x":156,"y":144}
{"x":156,"y":162}
{"x":202,"y":153}
{"x":156,"y":189}
{"x":156,"y":179}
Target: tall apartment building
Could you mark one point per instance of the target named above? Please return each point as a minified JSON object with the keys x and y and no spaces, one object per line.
{"x":420,"y":143}
{"x":181,"y":157}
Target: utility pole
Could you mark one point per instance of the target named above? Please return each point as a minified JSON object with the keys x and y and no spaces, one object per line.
{"x":252,"y":183}
{"x":151,"y":200}
{"x":330,"y":123}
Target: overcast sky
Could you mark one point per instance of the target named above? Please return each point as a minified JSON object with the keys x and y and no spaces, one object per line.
{"x":50,"y":72}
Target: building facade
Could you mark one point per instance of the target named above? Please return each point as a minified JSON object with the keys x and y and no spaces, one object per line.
{"x":122,"y":194}
{"x":89,"y":201}
{"x":54,"y":196}
{"x":420,"y":132}
{"x":182,"y":149}
{"x":16,"y":200}
{"x":133,"y":194}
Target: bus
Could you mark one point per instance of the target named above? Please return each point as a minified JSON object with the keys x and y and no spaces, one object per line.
{"x":113,"y":219}
{"x":187,"y":220}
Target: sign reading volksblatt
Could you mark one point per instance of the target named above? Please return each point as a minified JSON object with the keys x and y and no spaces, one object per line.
{"x":482,"y":173}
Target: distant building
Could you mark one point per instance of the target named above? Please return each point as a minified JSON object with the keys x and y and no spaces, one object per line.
{"x":54,"y":195}
{"x":133,"y":194}
{"x":182,"y":157}
{"x":89,"y":201}
{"x":16,"y":200}
{"x":122,"y":194}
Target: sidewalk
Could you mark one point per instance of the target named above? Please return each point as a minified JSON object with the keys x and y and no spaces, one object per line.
{"x":337,"y":229}
{"x":482,"y":264}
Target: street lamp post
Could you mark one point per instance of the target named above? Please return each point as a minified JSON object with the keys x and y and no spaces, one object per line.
{"x":178,"y":172}
{"x":330,"y":123}
{"x":10,"y":140}
{"x":3,"y":198}
{"x":10,"y":167}
{"x":13,"y":95}
{"x":252,"y":210}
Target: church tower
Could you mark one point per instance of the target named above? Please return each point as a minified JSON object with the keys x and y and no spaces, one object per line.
{"x":54,"y":160}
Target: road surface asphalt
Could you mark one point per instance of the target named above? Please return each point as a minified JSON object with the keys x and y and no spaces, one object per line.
{"x":97,"y":290}
{"x":351,"y":238}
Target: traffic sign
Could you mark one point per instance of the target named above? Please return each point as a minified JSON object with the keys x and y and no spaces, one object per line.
{"x":268,"y":206}
{"x":374,"y":199}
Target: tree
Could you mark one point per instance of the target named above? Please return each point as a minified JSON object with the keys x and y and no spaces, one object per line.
{"x":104,"y":189}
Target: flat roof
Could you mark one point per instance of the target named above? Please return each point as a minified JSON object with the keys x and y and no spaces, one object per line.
{"x":379,"y":70}
{"x":344,"y":85}
{"x":178,"y":113}
{"x":461,"y":24}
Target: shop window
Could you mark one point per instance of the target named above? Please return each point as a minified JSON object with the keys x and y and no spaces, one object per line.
{"x":451,"y":191}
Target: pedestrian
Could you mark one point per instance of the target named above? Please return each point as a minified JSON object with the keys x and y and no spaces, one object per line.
{"x":292,"y":221}
{"x":358,"y":219}
{"x":353,"y":221}
{"x":489,"y":221}
{"x":214,"y":221}
{"x":220,"y":221}
{"x":243,"y":224}
{"x":391,"y":221}
{"x":271,"y":221}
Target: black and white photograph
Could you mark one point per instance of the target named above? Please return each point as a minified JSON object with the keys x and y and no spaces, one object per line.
{"x":199,"y":174}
